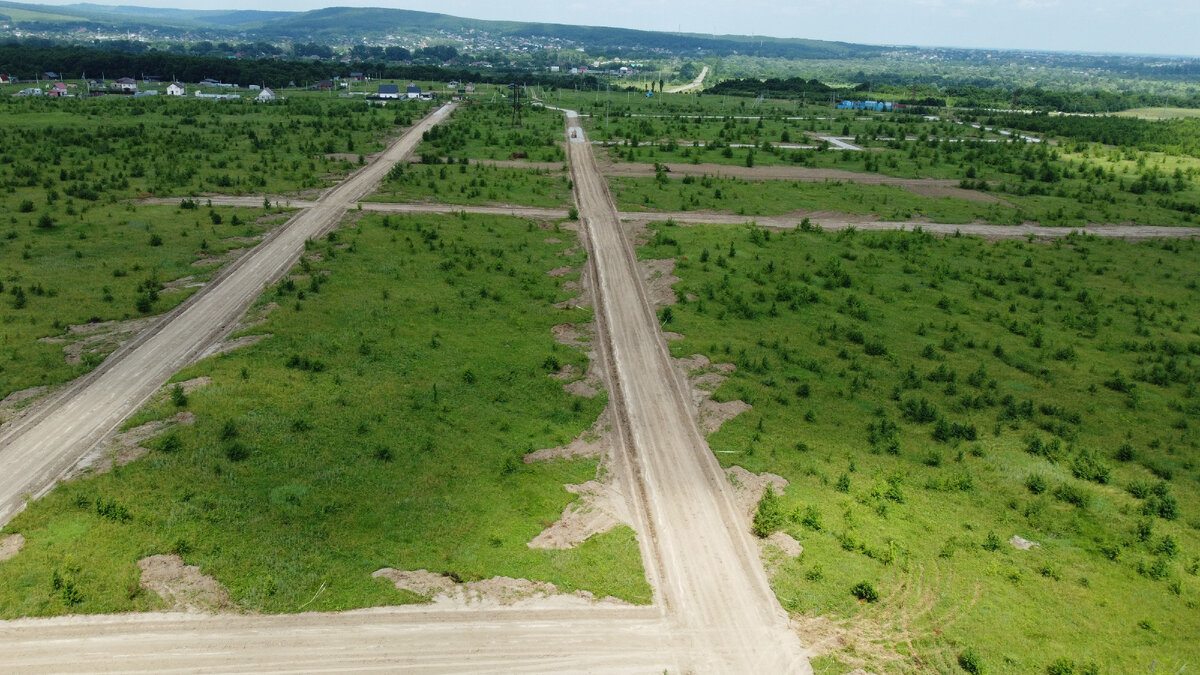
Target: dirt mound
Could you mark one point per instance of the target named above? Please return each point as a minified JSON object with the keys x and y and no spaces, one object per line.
{"x":748,"y":488}
{"x":127,"y":446}
{"x":598,"y":510}
{"x":10,"y":546}
{"x":704,"y":377}
{"x":97,"y":338}
{"x":11,"y":406}
{"x":581,"y":388}
{"x":236,"y":343}
{"x":786,"y":543}
{"x":659,"y":281}
{"x":594,"y":442}
{"x":578,"y":335}
{"x":559,"y":271}
{"x":182,"y":586}
{"x":445,"y":592}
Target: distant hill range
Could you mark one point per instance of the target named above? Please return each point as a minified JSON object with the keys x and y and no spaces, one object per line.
{"x":337,"y":24}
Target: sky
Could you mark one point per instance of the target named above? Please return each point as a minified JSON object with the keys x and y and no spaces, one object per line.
{"x":1107,"y":26}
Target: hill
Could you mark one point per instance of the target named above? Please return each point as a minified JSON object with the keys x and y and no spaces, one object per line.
{"x":336,"y":24}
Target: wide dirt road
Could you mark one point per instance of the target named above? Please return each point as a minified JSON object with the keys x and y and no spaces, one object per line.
{"x":40,"y":447}
{"x":612,"y":640}
{"x":710,"y":578}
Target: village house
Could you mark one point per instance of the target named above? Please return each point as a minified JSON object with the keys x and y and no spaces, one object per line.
{"x":389,"y":91}
{"x":265,"y":95}
{"x":412,"y":91}
{"x":176,"y":89}
{"x":126,"y":85}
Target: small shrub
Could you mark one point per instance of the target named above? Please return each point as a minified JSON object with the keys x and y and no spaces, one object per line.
{"x":969,"y":660}
{"x":769,"y":515}
{"x":1061,"y":666}
{"x":236,"y":451}
{"x":1035,"y":483}
{"x":992,"y":543}
{"x":865,"y":591}
{"x":1073,"y":494}
{"x":178,"y":398}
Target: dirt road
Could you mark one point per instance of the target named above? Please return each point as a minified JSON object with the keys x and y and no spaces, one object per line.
{"x":694,"y":84}
{"x":40,"y":447}
{"x":709,"y":576}
{"x":608,"y":640}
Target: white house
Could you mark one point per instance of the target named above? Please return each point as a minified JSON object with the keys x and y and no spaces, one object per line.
{"x":265,"y":95}
{"x":126,"y":84}
{"x":175,"y":89}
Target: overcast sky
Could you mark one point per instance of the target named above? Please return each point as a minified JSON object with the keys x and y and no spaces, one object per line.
{"x":1114,"y":26}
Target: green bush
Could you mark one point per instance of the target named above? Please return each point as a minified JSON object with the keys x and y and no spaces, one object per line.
{"x":768,"y":517}
{"x":969,"y":660}
{"x":865,"y":591}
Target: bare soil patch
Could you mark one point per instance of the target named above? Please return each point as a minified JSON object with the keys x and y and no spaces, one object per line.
{"x":181,"y":283}
{"x":785,"y":543}
{"x":228,"y":256}
{"x":581,"y":295}
{"x":497,"y":592}
{"x":559,"y":271}
{"x":97,"y":338}
{"x":659,"y":278}
{"x":18,"y":402}
{"x":598,"y":510}
{"x":704,"y":378}
{"x":183,"y":587}
{"x":578,"y":335}
{"x":127,"y":446}
{"x":595,"y":442}
{"x":602,"y":503}
{"x":10,"y":546}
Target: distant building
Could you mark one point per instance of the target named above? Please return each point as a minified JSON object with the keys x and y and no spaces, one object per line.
{"x":323,"y":85}
{"x":31,"y":91}
{"x":125,"y":84}
{"x":147,"y":92}
{"x":265,"y":95}
{"x":388,"y":91}
{"x":50,"y":75}
{"x":151,"y":79}
{"x":358,"y":77}
{"x":5,"y":79}
{"x":176,"y":89}
{"x":412,"y":91}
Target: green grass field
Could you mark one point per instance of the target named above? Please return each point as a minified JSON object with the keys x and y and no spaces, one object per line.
{"x":74,"y":250}
{"x":114,"y":263}
{"x":422,"y":396}
{"x":485,"y":130}
{"x":930,"y":398}
{"x":475,"y":184}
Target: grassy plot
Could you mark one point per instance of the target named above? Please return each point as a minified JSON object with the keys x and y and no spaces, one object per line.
{"x":383,"y":424}
{"x":931,"y":398}
{"x":1060,"y":208}
{"x":95,"y":150}
{"x":775,"y":197}
{"x":475,"y":184}
{"x":115,"y":263}
{"x":487,"y":131}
